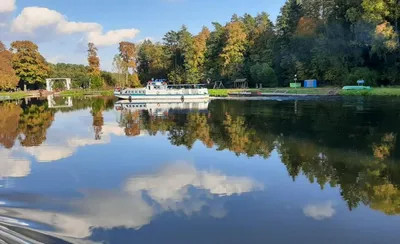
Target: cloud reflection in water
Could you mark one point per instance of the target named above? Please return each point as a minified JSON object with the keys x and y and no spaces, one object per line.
{"x":178,"y":187}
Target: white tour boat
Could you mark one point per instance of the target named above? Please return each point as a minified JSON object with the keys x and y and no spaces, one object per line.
{"x":159,"y":90}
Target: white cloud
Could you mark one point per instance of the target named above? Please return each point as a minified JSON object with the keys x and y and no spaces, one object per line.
{"x":112,"y":37}
{"x":7,"y":6}
{"x":34,"y":19}
{"x":319,"y":211}
{"x":78,"y":27}
{"x":11,"y":166}
{"x":129,"y":208}
{"x":152,"y":39}
{"x":54,"y":59}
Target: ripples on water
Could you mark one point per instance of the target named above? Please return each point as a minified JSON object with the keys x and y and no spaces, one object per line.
{"x":90,"y":170}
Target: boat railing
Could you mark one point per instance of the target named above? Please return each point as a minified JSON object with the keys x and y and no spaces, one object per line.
{"x":186,"y":86}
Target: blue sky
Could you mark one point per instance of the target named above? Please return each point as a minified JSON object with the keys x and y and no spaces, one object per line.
{"x":51,"y":23}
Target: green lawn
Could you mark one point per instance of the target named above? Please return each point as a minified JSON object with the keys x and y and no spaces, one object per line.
{"x":311,"y":91}
{"x":395,"y":91}
{"x":392,"y":91}
{"x":81,"y":92}
{"x":14,"y":95}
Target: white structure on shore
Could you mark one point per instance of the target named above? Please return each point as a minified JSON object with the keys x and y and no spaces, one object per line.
{"x":50,"y":82}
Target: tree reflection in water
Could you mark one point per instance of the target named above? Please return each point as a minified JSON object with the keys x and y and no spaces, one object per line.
{"x":311,"y":142}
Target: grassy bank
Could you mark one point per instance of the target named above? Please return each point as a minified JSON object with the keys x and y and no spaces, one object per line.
{"x":316,"y":91}
{"x":13,"y":95}
{"x":218,"y":92}
{"x":373,"y":92}
{"x":393,"y":91}
{"x":81,"y":92}
{"x":309,"y":91}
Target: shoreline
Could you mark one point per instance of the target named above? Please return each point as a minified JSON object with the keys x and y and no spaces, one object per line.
{"x":264,"y":93}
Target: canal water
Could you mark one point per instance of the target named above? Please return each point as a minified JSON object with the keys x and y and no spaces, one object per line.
{"x":282,"y":170}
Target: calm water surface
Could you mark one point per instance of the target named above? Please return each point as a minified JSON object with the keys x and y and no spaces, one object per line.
{"x":274,"y":171}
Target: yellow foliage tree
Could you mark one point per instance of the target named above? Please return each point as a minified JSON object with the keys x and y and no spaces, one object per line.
{"x":8,"y":78}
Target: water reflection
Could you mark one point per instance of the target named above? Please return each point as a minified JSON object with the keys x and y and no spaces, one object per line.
{"x":177,"y":187}
{"x":331,"y":144}
{"x":319,"y":211}
{"x":12,"y":166}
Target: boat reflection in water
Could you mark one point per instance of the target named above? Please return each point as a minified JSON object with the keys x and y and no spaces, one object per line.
{"x":162,"y":108}
{"x":135,"y":116}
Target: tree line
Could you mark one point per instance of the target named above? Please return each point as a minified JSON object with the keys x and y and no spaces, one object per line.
{"x":334,"y":41}
{"x":23,"y":66}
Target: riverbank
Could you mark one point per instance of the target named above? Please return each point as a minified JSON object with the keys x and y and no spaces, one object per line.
{"x":276,"y":91}
{"x":15,"y":95}
{"x":393,"y":91}
{"x":328,"y":91}
{"x":80,"y":92}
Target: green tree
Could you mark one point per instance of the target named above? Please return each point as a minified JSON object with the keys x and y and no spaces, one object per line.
{"x":215,"y":44}
{"x":152,"y":61}
{"x":286,"y":26}
{"x":29,"y":65}
{"x":108,"y":78}
{"x":79,"y":74}
{"x":264,"y":74}
{"x":96,"y":82}
{"x":119,"y":70}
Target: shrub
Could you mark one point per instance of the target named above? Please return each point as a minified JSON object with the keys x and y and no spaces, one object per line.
{"x":362,"y":73}
{"x":96,"y":82}
{"x":263,"y":73}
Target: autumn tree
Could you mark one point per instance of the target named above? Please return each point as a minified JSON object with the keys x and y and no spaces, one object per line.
{"x":93,"y":60}
{"x":233,"y":52}
{"x":94,"y":67}
{"x":9,"y":123}
{"x":8,"y":79}
{"x":29,"y":65}
{"x":194,"y":54}
{"x":127,"y":51}
{"x":98,"y":119}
